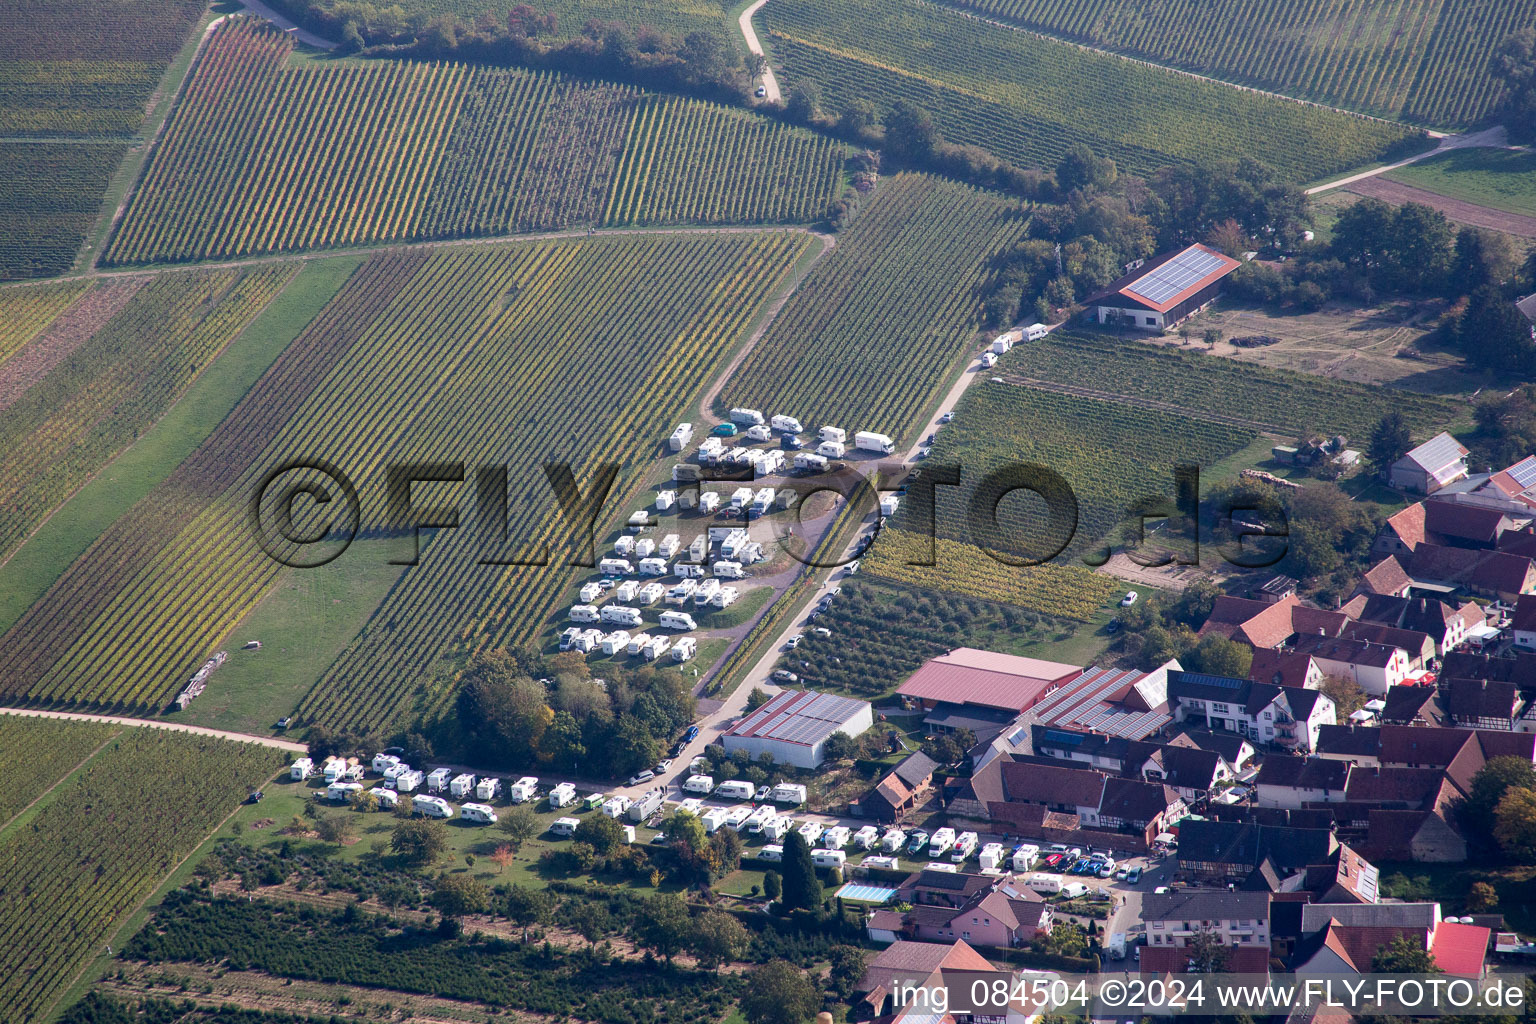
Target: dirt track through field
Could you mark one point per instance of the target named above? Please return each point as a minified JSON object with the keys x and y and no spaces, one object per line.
{"x":1460,"y":211}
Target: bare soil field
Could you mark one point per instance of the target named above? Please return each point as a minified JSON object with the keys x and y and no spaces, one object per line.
{"x":1458,"y":210}
{"x":1381,"y":344}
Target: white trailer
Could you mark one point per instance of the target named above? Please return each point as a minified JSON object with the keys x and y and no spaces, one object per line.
{"x":431,"y":806}
{"x":810,"y":831}
{"x":735,"y":789}
{"x":461,"y":786}
{"x":757,"y":819}
{"x":626,"y":591}
{"x":408,"y":782}
{"x":837,"y":434}
{"x":893,"y":840}
{"x":744,"y":417}
{"x":524,"y":789}
{"x":866,"y":837}
{"x":991,"y":856}
{"x":487,"y":789}
{"x":301,"y":769}
{"x":647,"y":805}
{"x":624,"y":546}
{"x":564,"y":826}
{"x":786,"y":497}
{"x":383,"y":762}
{"x":583,"y":613}
{"x":1044,"y":883}
{"x":792,"y":793}
{"x":831,"y":449}
{"x":621,"y":615}
{"x":737,"y":817}
{"x":562,"y":795}
{"x":772,"y":462}
{"x":684,"y":649}
{"x":699,"y":549}
{"x":479,"y":814}
{"x":829,"y":858}
{"x":871,"y":441}
{"x":342,"y":791}
{"x":1034,"y":332}
{"x":587,"y":641}
{"x":836,"y":837}
{"x":653,"y":567}
{"x":615,"y":567}
{"x":437,"y":779}
{"x":644,"y":547}
{"x":741,"y":497}
{"x":639,"y":520}
{"x":669,"y":545}
{"x":889,"y":504}
{"x":772,"y":853}
{"x":652,"y":592}
{"x":614,"y":642}
{"x":678,"y":620}
{"x":713,"y":819}
{"x":786,"y":425}
{"x":680,"y":437}
{"x":615,"y":806}
{"x":1024,"y":856}
{"x":679,"y":593}
{"x":665,"y":500}
{"x":708,"y":502}
{"x":724,"y":598}
{"x":701,"y":784}
{"x":759,"y":433}
{"x":1002,"y":343}
{"x":880,"y":862}
{"x":809,"y":462}
{"x":762,"y":501}
{"x":388,"y":798}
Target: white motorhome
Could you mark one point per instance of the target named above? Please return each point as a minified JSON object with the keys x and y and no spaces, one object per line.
{"x":301,"y":769}
{"x":590,"y":592}
{"x":564,"y":826}
{"x":713,"y":819}
{"x":615,"y":806}
{"x":724,"y":597}
{"x":342,"y":791}
{"x":893,"y":840}
{"x":706,"y":591}
{"x":621,"y":615}
{"x":832,"y":449}
{"x":652,"y":592}
{"x":523,"y":790}
{"x":829,"y":858}
{"x":653,"y":567}
{"x":1034,"y":332}
{"x":792,"y":793}
{"x":638,"y":642}
{"x":735,"y":789}
{"x":626,"y":591}
{"x":991,"y":856}
{"x":583,"y":613}
{"x":811,"y":831}
{"x":461,"y":785}
{"x":762,"y":501}
{"x":437,"y":779}
{"x":431,"y":806}
{"x":408,"y":782}
{"x":383,"y":762}
{"x":880,"y":862}
{"x":388,"y":798}
{"x":681,"y":592}
{"x":684,"y":649}
{"x":665,"y":499}
{"x":656,"y":648}
{"x":669,"y":545}
{"x":615,"y":567}
{"x":680,"y":437}
{"x":836,"y":837}
{"x":479,"y":814}
{"x":678,"y":620}
{"x":866,"y":837}
{"x":487,"y":789}
{"x":624,"y":546}
{"x":772,"y":853}
{"x":809,"y":462}
{"x":708,"y":502}
{"x":562,"y":795}
{"x":965,"y":845}
{"x":728,"y":570}
{"x":941,"y":843}
{"x":777,"y":828}
{"x":755,"y":821}
{"x":1025,"y":856}
{"x":786,"y":425}
{"x":743,"y":417}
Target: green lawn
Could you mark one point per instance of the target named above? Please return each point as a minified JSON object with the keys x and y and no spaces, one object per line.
{"x":1499,"y":178}
{"x":134,"y":473}
{"x":303,"y":623}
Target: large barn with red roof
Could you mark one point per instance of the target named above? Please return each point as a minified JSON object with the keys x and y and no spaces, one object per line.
{"x":1164,"y":290}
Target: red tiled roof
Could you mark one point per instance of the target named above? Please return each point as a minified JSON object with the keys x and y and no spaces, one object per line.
{"x":1385,"y":577}
{"x":1460,"y":949}
{"x":986,"y":679}
{"x":1409,"y":524}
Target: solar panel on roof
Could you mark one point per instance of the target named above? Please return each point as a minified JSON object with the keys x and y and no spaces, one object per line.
{"x":1205,"y":680}
{"x":1176,"y":275}
{"x":1440,"y":450}
{"x":1057,"y":736}
{"x":1524,"y":471}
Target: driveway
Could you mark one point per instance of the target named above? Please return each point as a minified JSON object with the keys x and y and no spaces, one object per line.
{"x":770,"y":83}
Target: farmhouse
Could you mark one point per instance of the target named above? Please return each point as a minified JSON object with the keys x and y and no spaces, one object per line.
{"x":1238,"y":921}
{"x":1165,"y":290}
{"x":895,"y":796}
{"x":794,"y":726}
{"x":1438,"y":462}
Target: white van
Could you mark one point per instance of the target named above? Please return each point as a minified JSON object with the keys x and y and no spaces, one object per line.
{"x":479,"y":814}
{"x":1072,"y":890}
{"x":564,"y":826}
{"x":771,"y":853}
{"x":431,"y":806}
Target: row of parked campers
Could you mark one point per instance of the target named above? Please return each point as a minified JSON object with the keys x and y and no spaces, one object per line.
{"x":774,"y":853}
{"x":564,"y":828}
{"x":737,"y":789}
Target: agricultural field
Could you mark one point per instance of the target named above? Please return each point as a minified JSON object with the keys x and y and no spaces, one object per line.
{"x":68,"y":408}
{"x":26,"y":310}
{"x":394,"y":151}
{"x":41,"y":752}
{"x":101,"y":843}
{"x":1499,"y":179}
{"x":1422,"y":61}
{"x":1271,"y":399}
{"x":888,"y":316}
{"x":1029,"y":99}
{"x":50,"y":193}
{"x":73,"y":80}
{"x":153,"y":597}
{"x":691,"y":161}
{"x":1113,"y":456}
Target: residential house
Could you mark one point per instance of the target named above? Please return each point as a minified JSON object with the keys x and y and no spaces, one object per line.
{"x":1005,"y":917}
{"x":1402,"y":532}
{"x":1374,"y":667}
{"x":1483,"y":703}
{"x":1388,"y":576}
{"x":1523,"y":622}
{"x":1413,"y":705}
{"x":1285,"y":668}
{"x":1345,"y":939}
{"x":950,"y":889}
{"x":1445,"y":623}
{"x":1297,"y":782}
{"x":1222,"y":852}
{"x":1236,"y":750}
{"x":896,"y":796}
{"x":1283,"y":716}
{"x":1492,"y":574}
{"x":908,"y":966}
{"x":1237,"y":921}
{"x":1437,"y":463}
{"x":1046,"y":801}
{"x":1261,"y":624}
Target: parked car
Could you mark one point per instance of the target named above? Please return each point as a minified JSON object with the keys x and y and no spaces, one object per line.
{"x":662,"y":765}
{"x":1113,"y":626}
{"x":645,"y":776}
{"x":1121,"y":874}
{"x":691,"y":735}
{"x":1129,"y":599}
{"x":1160,"y":890}
{"x":794,"y":641}
{"x":1053,"y":860}
{"x":822,"y":631}
{"x":762,"y":793}
{"x":784,"y":675}
{"x":946,"y":417}
{"x":916,"y":842}
{"x":762,"y":91}
{"x":284,"y":722}
{"x":1133,"y":876}
{"x":724,"y":430}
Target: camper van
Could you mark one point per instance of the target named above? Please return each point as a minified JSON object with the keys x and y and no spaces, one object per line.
{"x":431,"y":806}
{"x":866,"y":837}
{"x":991,"y":857}
{"x":757,"y":819}
{"x":487,"y":789}
{"x":811,"y":832}
{"x":1045,"y":883}
{"x":836,"y":837}
{"x":564,"y":826}
{"x":777,"y":828}
{"x":407,"y":782}
{"x":829,"y":858}
{"x":1024,"y":856}
{"x":382,"y":763}
{"x":791,"y":793}
{"x":771,"y":853}
{"x":583,"y":613}
{"x":735,"y":789}
{"x":342,"y":791}
{"x":479,"y":814}
{"x":615,"y":567}
{"x":941,"y":843}
{"x":699,"y":784}
{"x":301,"y":769}
{"x":388,"y":798}
{"x":1072,"y":890}
{"x":562,"y":795}
{"x":523,"y":789}
{"x":893,"y":840}
{"x":1034,"y":332}
{"x":461,"y":785}
{"x":965,"y":845}
{"x":713,"y":819}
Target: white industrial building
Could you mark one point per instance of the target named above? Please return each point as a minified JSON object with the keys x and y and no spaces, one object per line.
{"x":793,"y":727}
